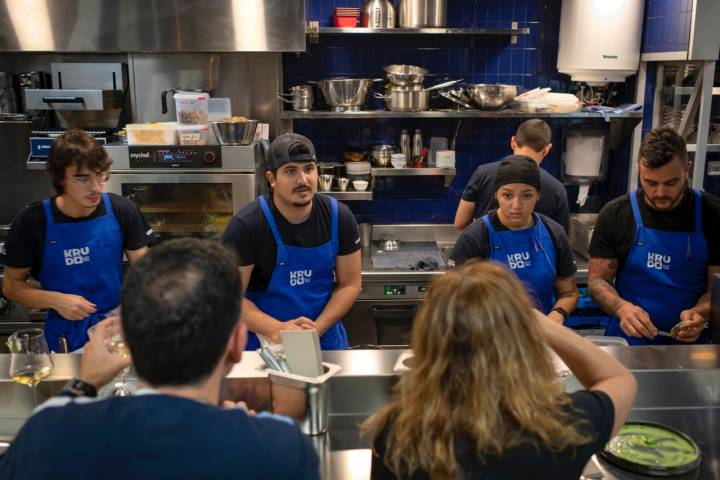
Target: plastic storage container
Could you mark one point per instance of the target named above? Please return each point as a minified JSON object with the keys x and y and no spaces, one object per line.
{"x":151,"y":133}
{"x":193,"y":134}
{"x":191,"y":108}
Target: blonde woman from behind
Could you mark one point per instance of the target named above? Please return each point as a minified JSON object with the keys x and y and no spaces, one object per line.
{"x":483,"y":399}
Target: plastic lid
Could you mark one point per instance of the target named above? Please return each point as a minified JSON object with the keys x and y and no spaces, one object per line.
{"x":190,"y":95}
{"x":200,"y":127}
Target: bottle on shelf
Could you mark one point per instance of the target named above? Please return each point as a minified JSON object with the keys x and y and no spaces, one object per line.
{"x":405,"y":147}
{"x":417,"y":149}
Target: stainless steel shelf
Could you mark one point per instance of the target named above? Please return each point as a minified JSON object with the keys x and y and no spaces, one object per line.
{"x":350,"y":195}
{"x":407,"y":172}
{"x":687,"y":90}
{"x":692,"y":147}
{"x":418,"y":31}
{"x":326,"y":114}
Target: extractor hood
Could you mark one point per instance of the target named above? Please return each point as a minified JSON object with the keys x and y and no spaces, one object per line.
{"x":152,"y":26}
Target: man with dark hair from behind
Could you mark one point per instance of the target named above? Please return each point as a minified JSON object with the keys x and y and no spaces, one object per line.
{"x":180,"y":317}
{"x":654,"y":251}
{"x":533,"y":139}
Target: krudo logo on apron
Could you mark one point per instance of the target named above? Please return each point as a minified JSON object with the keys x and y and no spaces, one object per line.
{"x":76,"y":256}
{"x":300,"y":277}
{"x":519,"y":260}
{"x":658,"y":261}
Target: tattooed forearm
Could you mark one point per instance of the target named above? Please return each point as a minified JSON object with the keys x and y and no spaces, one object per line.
{"x":601,"y":272}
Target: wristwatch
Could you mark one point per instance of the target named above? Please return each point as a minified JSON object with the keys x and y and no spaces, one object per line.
{"x":561,"y":311}
{"x":78,"y":388}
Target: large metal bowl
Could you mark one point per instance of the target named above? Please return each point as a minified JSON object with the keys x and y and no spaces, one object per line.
{"x":404,"y":74}
{"x":345,"y":93}
{"x":491,"y":95}
{"x":235,"y":133}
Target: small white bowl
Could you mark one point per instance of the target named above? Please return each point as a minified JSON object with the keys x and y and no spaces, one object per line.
{"x":398,"y":160}
{"x":360,"y":185}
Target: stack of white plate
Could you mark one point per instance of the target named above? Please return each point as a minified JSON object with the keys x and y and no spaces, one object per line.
{"x":358,"y":168}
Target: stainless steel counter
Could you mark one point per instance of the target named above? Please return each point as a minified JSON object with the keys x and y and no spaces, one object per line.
{"x":678,"y":386}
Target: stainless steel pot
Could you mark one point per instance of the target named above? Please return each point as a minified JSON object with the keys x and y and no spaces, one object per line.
{"x":422,"y":13}
{"x":301,"y":97}
{"x":343,"y":94}
{"x":490,"y":95}
{"x":409,"y":98}
{"x":404,"y":74}
{"x":377,"y":14}
{"x":380,"y":155}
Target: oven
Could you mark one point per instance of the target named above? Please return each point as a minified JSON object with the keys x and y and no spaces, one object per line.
{"x":383,"y":314}
{"x":185,"y":190}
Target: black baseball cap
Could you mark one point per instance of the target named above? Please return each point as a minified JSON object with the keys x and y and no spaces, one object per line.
{"x":518,"y":169}
{"x":290,"y":147}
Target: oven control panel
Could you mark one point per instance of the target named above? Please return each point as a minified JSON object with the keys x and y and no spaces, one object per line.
{"x":175,"y":156}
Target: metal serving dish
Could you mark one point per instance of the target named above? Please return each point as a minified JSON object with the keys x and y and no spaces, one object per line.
{"x":491,"y":95}
{"x":405,"y":74}
{"x":343,"y":94}
{"x":235,"y":133}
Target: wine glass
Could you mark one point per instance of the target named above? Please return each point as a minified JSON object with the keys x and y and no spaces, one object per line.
{"x":30,"y":359}
{"x":115,"y":342}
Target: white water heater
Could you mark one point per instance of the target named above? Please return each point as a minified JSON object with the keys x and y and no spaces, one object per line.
{"x":600,"y":39}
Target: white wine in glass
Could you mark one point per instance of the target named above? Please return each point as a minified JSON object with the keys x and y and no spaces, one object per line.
{"x":31,"y":376}
{"x":30,"y":360}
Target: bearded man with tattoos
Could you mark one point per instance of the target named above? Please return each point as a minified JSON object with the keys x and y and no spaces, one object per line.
{"x":654,"y":251}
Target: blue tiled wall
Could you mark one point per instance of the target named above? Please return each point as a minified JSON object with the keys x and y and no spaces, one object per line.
{"x":528,"y":63}
{"x":667,"y":26}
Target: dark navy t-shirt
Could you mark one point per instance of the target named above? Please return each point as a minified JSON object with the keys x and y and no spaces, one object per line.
{"x":155,"y":436}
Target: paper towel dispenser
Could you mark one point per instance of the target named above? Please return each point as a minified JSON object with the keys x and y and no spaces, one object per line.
{"x":584,"y":154}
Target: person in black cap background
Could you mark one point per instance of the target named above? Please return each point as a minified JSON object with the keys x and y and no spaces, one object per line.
{"x":532,"y":139}
{"x":291,"y":243}
{"x":532,"y":245}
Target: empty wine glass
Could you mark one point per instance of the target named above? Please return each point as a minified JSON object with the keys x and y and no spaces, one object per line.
{"x":30,"y":359}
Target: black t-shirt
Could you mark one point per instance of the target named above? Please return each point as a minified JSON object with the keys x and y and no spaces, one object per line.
{"x":249,"y":234}
{"x":614,"y":231}
{"x":553,"y":196}
{"x":526,"y":461}
{"x":474,"y":242}
{"x":25,"y":243}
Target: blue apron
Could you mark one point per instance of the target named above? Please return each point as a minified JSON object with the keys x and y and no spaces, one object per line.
{"x":530,"y":254}
{"x":81,"y":258}
{"x":665,"y":273}
{"x":301,"y":283}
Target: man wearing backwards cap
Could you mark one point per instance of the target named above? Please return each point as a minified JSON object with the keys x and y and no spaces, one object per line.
{"x":533,"y":246}
{"x":289,"y":244}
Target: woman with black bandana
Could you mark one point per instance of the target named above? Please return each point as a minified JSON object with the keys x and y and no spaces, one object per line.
{"x":531,"y":245}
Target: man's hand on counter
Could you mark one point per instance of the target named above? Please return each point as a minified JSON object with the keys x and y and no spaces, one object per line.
{"x":635,"y":321}
{"x":72,"y":307}
{"x":99,"y":365}
{"x":300,"y":323}
{"x":695,"y":325}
